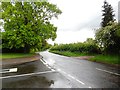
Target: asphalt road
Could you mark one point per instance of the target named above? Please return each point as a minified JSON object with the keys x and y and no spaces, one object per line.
{"x":83,"y":73}
{"x":56,"y":71}
{"x":32,"y":75}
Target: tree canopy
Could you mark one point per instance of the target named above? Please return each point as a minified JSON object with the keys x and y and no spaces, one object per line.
{"x":27,"y":24}
{"x":107,"y":14}
{"x":108,"y":38}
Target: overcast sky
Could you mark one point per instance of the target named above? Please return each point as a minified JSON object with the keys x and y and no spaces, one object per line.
{"x":79,"y":18}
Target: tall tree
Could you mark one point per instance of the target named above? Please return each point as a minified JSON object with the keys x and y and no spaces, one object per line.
{"x":108,"y":38}
{"x":27,"y":24}
{"x":107,"y":14}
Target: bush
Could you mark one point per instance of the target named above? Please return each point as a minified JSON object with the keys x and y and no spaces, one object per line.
{"x":77,"y":47}
{"x":108,"y":38}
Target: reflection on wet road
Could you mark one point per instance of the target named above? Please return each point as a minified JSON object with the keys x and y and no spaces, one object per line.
{"x":84,"y":73}
{"x":30,"y":67}
{"x":33,"y":75}
{"x":55,"y":71}
{"x":49,"y":80}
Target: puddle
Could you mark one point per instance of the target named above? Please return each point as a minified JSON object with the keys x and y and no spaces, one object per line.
{"x":28,"y":82}
{"x":30,"y":67}
{"x":48,"y":80}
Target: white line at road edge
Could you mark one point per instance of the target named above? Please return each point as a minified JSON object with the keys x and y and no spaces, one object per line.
{"x":71,"y":76}
{"x":89,"y":87}
{"x":47,"y":65}
{"x":62,"y":72}
{"x":27,"y":74}
{"x":43,"y":61}
{"x":108,"y":71}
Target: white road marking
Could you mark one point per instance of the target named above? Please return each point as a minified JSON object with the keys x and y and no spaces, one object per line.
{"x":43,"y":62}
{"x":71,"y":76}
{"x":9,"y":70}
{"x":64,"y":73}
{"x":27,"y":74}
{"x":13,"y":70}
{"x":108,"y":71}
{"x":80,"y":81}
{"x":52,"y":69}
{"x":89,"y":87}
{"x":48,"y":66}
{"x":59,"y":69}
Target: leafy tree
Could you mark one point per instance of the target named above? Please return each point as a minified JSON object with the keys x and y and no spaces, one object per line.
{"x":108,"y":38}
{"x":90,"y":41}
{"x":107,"y":14}
{"x":27,"y":24}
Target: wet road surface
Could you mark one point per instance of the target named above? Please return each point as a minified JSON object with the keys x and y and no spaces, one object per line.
{"x":56,"y":71}
{"x":84,"y":73}
{"x":33,"y":75}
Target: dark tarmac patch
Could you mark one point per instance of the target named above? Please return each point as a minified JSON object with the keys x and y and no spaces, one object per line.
{"x":29,"y":67}
{"x":36,"y":80}
{"x":49,"y":80}
{"x":30,"y":82}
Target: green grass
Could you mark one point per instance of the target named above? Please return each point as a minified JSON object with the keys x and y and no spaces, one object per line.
{"x":15,"y":55}
{"x":110,"y":59}
{"x":0,"y":46}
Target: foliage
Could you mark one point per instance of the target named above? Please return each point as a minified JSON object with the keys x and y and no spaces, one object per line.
{"x":15,"y":55}
{"x":90,"y":41}
{"x":107,"y":14}
{"x":76,"y":47}
{"x":108,"y":38}
{"x":45,"y":46}
{"x":27,"y":25}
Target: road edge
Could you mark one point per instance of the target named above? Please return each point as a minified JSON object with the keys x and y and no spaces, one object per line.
{"x":14,"y":61}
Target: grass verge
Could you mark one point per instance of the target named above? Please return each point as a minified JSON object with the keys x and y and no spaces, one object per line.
{"x":110,"y":59}
{"x":15,"y":55}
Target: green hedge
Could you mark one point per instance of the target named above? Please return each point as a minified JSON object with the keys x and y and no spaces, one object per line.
{"x":77,"y":47}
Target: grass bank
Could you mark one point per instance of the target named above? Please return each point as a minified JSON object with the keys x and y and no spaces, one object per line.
{"x":110,"y":59}
{"x":15,"y":55}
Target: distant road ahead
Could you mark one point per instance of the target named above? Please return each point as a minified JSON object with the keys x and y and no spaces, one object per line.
{"x":83,"y":73}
